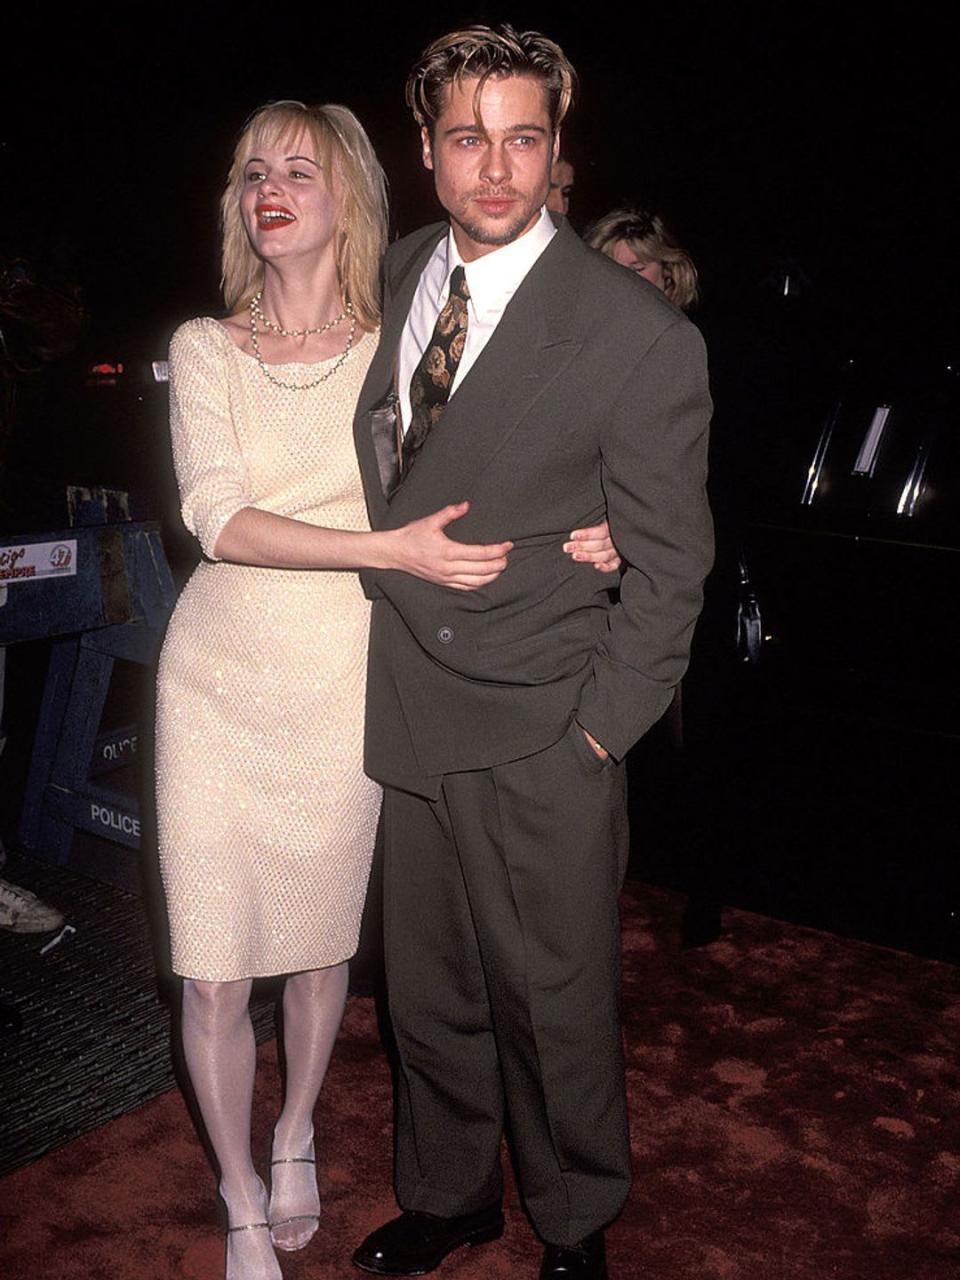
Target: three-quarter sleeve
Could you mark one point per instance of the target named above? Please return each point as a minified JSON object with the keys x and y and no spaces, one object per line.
{"x":211,"y":473}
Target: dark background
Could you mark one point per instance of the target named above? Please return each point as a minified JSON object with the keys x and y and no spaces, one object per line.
{"x":814,"y":133}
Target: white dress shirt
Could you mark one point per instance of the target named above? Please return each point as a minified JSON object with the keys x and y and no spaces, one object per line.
{"x":492,"y":279}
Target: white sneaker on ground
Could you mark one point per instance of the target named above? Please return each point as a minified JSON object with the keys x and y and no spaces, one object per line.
{"x":22,"y":911}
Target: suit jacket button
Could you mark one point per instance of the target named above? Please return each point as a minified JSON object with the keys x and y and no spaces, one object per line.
{"x":445,"y":635}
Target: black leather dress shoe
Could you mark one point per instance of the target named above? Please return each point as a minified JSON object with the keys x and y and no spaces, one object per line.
{"x":584,"y":1261}
{"x":416,"y":1243}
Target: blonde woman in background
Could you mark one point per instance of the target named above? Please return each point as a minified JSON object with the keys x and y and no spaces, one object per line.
{"x":640,"y":241}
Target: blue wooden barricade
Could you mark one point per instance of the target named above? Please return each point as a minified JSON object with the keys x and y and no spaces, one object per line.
{"x":102,"y":592}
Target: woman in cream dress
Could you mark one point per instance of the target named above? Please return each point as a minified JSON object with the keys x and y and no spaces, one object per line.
{"x":266,"y":820}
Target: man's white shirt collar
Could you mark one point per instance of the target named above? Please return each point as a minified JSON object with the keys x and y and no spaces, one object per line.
{"x":494,"y":277}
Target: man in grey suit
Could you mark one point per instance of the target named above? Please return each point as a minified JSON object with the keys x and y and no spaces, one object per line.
{"x":524,"y":374}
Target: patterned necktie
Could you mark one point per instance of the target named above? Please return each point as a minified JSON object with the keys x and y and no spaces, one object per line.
{"x":434,"y":375}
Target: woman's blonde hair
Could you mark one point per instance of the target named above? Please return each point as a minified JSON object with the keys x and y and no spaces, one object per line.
{"x":651,"y":241}
{"x":346,"y":157}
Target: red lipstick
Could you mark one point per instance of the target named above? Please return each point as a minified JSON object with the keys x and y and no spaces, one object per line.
{"x":272,"y":216}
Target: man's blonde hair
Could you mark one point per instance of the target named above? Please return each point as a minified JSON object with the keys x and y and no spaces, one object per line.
{"x":483,"y":52}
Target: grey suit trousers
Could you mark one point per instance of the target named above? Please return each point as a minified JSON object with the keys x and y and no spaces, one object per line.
{"x":503,"y":949}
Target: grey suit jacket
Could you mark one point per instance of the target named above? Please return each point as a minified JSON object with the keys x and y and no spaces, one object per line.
{"x":590,"y":398}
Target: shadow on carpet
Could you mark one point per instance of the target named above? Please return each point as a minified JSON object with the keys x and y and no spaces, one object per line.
{"x":794,"y":1100}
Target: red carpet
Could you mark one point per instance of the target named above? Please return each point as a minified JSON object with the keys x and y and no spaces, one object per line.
{"x":794,"y":1099}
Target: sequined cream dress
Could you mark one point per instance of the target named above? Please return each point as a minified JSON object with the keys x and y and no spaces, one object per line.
{"x":266,"y":820}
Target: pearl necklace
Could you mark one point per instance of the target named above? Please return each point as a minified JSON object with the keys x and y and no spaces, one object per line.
{"x":291,"y":333}
{"x":299,"y":386}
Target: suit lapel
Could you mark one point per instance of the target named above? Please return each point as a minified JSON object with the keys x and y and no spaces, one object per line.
{"x":371,"y":427}
{"x":534,"y":342}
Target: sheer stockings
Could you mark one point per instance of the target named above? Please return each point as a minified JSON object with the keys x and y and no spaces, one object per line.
{"x":220,"y":1053}
{"x":313,"y":1005}
{"x":250,"y":1254}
